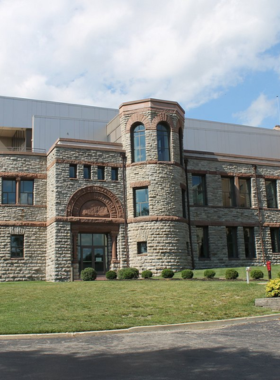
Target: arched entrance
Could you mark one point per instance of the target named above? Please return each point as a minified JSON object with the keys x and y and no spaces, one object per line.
{"x":95,"y":214}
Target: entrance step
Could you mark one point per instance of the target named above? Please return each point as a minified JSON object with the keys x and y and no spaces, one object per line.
{"x":101,"y":277}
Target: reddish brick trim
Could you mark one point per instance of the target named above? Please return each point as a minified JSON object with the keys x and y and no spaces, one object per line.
{"x":155,"y":162}
{"x":223,"y":223}
{"x":159,"y":218}
{"x":23,"y":175}
{"x":268,"y":224}
{"x":13,"y":223}
{"x":140,"y":184}
{"x":74,"y":219}
{"x":240,"y":161}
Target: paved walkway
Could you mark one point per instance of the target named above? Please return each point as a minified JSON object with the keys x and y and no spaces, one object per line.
{"x":247,"y":351}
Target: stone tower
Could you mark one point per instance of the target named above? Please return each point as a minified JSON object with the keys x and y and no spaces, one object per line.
{"x":152,"y":136}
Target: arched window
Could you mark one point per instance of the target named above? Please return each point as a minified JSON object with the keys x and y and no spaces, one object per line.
{"x":181,"y":146}
{"x":138,"y":142}
{"x":163,"y":137}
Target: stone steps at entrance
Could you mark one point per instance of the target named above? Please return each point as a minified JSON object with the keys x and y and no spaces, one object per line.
{"x":101,"y":277}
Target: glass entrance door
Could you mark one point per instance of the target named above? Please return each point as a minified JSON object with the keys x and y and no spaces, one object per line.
{"x":92,"y":251}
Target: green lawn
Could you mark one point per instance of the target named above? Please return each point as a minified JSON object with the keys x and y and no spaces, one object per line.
{"x":37,"y":307}
{"x":220,"y":272}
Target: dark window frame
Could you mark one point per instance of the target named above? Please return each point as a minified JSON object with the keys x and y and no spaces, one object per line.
{"x":140,"y":246}
{"x":163,"y":142}
{"x":196,"y":191}
{"x":19,"y":192}
{"x":16,"y":247}
{"x":249,"y":243}
{"x":101,"y":173}
{"x":72,"y":171}
{"x":138,"y":135}
{"x":87,"y":171}
{"x":184,"y":213}
{"x":230,"y":194}
{"x":275,"y":239}
{"x":114,"y":174}
{"x":142,"y":210}
{"x":181,"y":146}
{"x":203,"y":251}
{"x":232,"y":243}
{"x":271,"y":194}
{"x":245,"y":194}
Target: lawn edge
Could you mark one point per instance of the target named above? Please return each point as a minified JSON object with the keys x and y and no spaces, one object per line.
{"x":189,"y":326}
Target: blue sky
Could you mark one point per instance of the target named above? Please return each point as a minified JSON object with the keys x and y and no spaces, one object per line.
{"x":220,"y":59}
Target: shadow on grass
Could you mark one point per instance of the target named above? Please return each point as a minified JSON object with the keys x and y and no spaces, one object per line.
{"x":216,"y":363}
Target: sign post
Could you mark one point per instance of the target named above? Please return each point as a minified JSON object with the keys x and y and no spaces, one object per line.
{"x":247,"y":274}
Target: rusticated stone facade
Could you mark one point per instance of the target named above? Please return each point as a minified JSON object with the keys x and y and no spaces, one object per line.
{"x":97,"y":204}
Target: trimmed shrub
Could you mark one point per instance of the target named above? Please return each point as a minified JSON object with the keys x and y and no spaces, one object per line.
{"x":126,"y":274}
{"x":167,"y":273}
{"x":147,"y":274}
{"x":256,"y":274}
{"x":231,"y":274}
{"x":135,"y":271}
{"x":209,"y":273}
{"x":88,"y":274}
{"x":278,"y":274}
{"x":187,"y":273}
{"x":111,"y":275}
{"x":273,"y":288}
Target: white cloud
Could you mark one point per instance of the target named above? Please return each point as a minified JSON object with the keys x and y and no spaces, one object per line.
{"x":259,"y":110}
{"x":105,"y":53}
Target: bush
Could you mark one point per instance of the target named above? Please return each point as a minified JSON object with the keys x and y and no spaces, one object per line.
{"x":273,"y":288}
{"x":88,"y":274}
{"x":257,"y":274}
{"x":167,"y":273}
{"x":187,"y":273}
{"x":231,"y":274}
{"x":147,"y":274}
{"x":209,"y":273}
{"x":135,"y":271}
{"x":126,"y":274}
{"x":278,"y":274}
{"x":111,"y":275}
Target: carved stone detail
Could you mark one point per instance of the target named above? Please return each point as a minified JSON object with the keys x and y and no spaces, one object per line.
{"x":94,"y":201}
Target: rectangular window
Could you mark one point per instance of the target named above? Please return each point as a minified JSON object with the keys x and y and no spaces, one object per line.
{"x":72,"y":171}
{"x":271,"y":193}
{"x":17,"y":191}
{"x":202,"y":242}
{"x":275,"y":239}
{"x":228,"y":192}
{"x":141,"y":202}
{"x":87,"y":172}
{"x":9,"y":191}
{"x":232,"y":242}
{"x":17,"y":244}
{"x":141,"y":247}
{"x":199,"y":190}
{"x":26,"y":192}
{"x":100,"y":172}
{"x":114,"y":174}
{"x":184,"y":203}
{"x":249,"y":242}
{"x":244,"y":192}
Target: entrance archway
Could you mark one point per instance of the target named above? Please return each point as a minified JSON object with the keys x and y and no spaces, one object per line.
{"x":95,"y":214}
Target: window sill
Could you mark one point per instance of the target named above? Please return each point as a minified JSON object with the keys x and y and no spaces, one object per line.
{"x":142,"y":254}
{"x":17,"y":258}
{"x":73,"y":178}
{"x":204,"y":258}
{"x":233,"y":258}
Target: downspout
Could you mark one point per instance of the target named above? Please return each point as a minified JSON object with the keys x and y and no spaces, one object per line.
{"x":259,"y":213}
{"x":189,"y":214}
{"x":125,"y":208}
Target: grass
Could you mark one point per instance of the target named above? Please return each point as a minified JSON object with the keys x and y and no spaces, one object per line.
{"x":41,"y":307}
{"x":220,"y":272}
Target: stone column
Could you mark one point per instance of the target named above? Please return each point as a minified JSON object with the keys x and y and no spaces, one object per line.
{"x":114,"y":247}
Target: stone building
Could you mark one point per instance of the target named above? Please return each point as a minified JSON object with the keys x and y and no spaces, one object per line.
{"x":83,"y":186}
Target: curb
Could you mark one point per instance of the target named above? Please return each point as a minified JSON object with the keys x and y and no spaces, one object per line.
{"x":190,"y":326}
